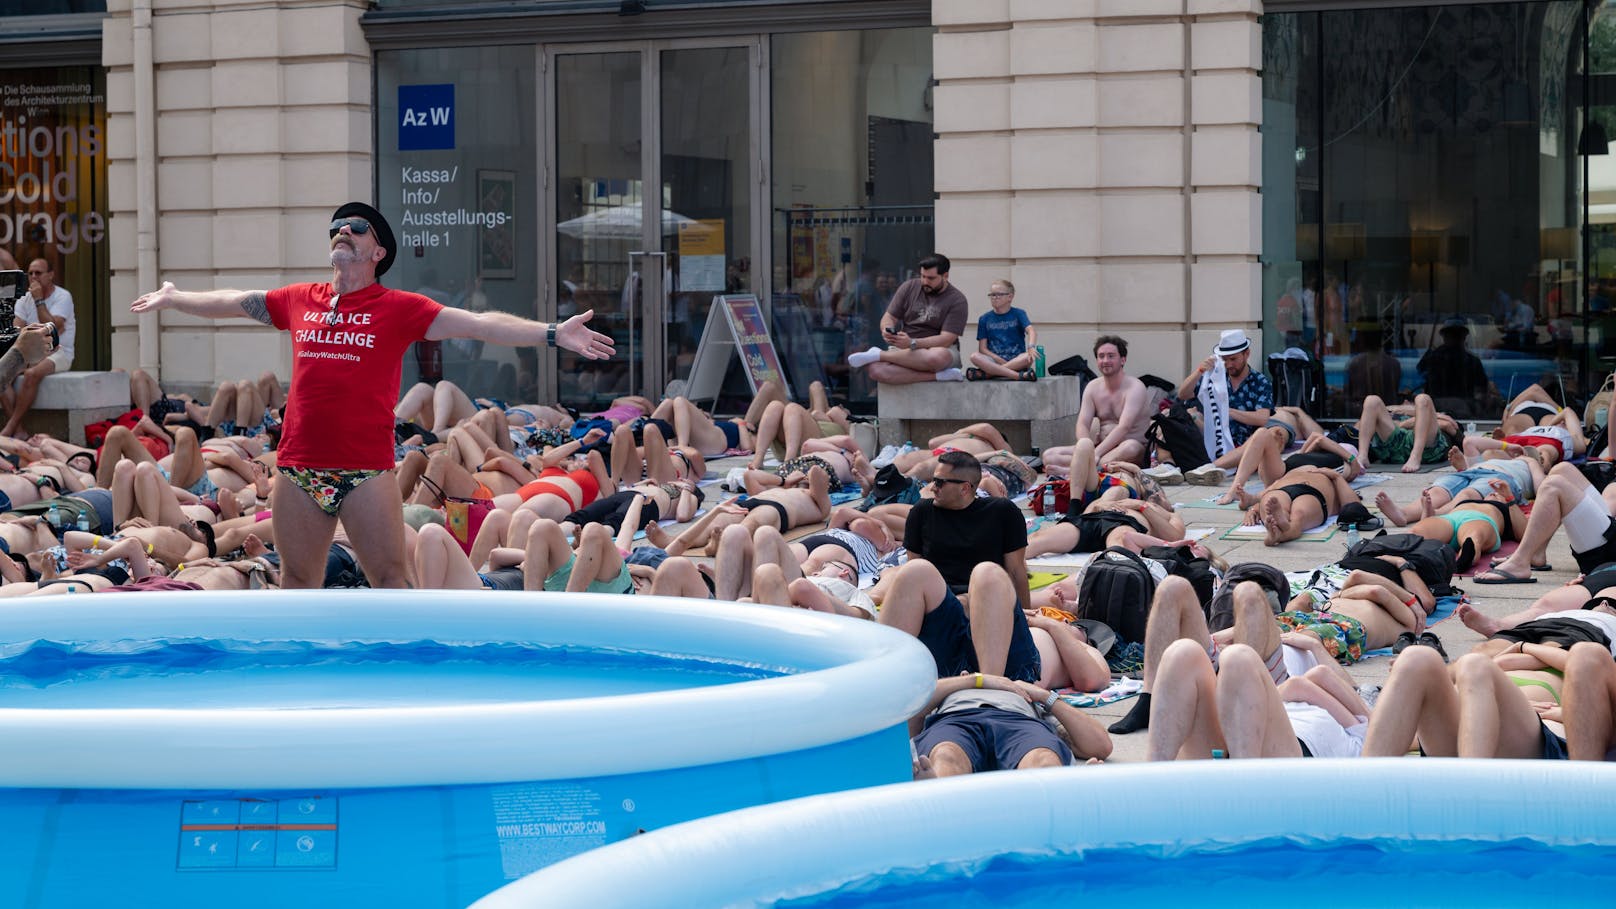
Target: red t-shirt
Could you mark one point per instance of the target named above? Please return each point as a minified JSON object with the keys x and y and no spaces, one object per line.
{"x":339,"y":413}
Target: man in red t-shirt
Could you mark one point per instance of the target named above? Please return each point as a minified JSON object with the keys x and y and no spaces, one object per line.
{"x":348,"y":343}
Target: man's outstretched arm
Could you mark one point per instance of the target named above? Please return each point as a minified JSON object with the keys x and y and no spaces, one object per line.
{"x":497,"y":327}
{"x":209,"y":304}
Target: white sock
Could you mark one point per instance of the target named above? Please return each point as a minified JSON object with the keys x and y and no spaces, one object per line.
{"x":951,"y":374}
{"x":864,"y":357}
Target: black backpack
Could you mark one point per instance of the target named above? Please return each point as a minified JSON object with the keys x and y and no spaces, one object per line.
{"x":1117,"y":589}
{"x":1175,"y":429}
{"x":1298,"y":381}
{"x":1431,"y":560}
{"x":1183,"y":562}
{"x":1220,"y":612}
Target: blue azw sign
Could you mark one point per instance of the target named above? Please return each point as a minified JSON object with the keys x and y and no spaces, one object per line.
{"x":425,"y":117}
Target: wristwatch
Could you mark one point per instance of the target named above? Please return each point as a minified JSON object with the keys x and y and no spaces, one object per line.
{"x":549,"y":335}
{"x":1049,"y":702}
{"x":912,"y":343}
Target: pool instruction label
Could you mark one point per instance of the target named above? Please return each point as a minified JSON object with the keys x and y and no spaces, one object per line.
{"x":258,"y":834}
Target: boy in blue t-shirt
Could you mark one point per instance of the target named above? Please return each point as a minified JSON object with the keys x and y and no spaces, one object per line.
{"x":1004,"y":339}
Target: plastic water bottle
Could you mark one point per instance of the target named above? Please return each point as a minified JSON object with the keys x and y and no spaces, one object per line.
{"x":54,"y":517}
{"x":1049,"y":498}
{"x":1352,"y":535}
{"x":1470,"y":428}
{"x":83,"y":524}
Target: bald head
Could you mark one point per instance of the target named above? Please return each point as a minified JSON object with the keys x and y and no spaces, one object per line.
{"x":6,"y":262}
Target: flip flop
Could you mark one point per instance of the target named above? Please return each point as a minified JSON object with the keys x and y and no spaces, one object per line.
{"x":1544,"y":567}
{"x":1503,"y":578}
{"x":973,"y":374}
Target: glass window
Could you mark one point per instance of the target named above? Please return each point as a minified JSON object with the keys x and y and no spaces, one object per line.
{"x":53,"y":190}
{"x":457,"y":179}
{"x":1423,"y":201}
{"x":852,"y":193}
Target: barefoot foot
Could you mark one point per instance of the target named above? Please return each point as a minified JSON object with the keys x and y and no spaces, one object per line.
{"x":1456,"y":457}
{"x":1473,"y":619}
{"x":1389,"y":508}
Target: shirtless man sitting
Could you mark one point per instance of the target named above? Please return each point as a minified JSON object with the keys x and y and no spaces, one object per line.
{"x":1113,"y":414}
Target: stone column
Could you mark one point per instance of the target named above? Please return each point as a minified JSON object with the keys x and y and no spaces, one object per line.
{"x":263,"y":128}
{"x":1103,"y":155}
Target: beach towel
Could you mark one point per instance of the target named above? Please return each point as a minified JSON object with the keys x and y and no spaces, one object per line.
{"x":1119,"y":690}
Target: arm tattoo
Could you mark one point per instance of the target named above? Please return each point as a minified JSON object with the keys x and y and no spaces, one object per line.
{"x":254,"y":305}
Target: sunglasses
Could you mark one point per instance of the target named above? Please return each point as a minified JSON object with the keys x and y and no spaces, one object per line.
{"x":356,"y":225}
{"x":940,"y":482}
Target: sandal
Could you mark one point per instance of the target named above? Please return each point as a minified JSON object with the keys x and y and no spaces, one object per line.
{"x":1028,"y":375}
{"x":973,"y":374}
{"x":1428,"y":639}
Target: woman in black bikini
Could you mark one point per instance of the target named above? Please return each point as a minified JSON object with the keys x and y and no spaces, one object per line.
{"x":1297,"y":502}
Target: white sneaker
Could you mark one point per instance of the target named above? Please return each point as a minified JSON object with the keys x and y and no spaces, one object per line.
{"x":951,"y":374}
{"x":1209,"y":475}
{"x":864,"y":357}
{"x":1165,"y":474}
{"x":887,"y":456}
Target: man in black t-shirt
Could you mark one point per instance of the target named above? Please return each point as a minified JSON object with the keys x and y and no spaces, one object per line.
{"x":960,"y":544}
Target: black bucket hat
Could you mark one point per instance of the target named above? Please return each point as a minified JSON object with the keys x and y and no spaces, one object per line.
{"x":889,"y":481}
{"x":384,"y":231}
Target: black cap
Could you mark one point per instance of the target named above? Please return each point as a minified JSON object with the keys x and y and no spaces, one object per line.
{"x":384,"y":231}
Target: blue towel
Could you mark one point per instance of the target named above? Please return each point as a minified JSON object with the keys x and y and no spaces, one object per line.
{"x":1444,"y":609}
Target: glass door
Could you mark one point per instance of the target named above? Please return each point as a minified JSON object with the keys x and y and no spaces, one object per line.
{"x":708,"y":136}
{"x":599,"y":190}
{"x":654,"y":156}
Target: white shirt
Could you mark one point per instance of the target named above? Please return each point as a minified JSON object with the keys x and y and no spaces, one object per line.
{"x":59,"y":303}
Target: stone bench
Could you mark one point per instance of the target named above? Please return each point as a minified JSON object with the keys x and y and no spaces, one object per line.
{"x":1028,"y":414}
{"x":69,"y":400}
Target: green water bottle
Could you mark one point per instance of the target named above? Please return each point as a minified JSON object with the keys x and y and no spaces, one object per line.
{"x":1038,"y":360}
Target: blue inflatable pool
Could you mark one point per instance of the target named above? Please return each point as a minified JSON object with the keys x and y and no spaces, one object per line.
{"x":1394,"y":832}
{"x":415,"y":748}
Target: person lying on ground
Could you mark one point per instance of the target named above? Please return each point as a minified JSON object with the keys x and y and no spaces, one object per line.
{"x":1453,"y":490}
{"x":983,"y":722}
{"x":1412,"y":435}
{"x":1298,"y":501}
{"x":1566,"y":499}
{"x":1480,"y":707}
{"x":1236,"y":708}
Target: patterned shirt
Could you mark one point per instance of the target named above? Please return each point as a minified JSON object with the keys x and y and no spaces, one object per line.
{"x":1255,"y":393}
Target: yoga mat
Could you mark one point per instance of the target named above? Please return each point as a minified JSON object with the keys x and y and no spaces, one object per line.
{"x":1038,"y":580}
{"x":1319,"y":534}
{"x":1484,"y":562}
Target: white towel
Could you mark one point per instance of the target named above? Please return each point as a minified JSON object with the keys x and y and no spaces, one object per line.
{"x":1214,"y":395}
